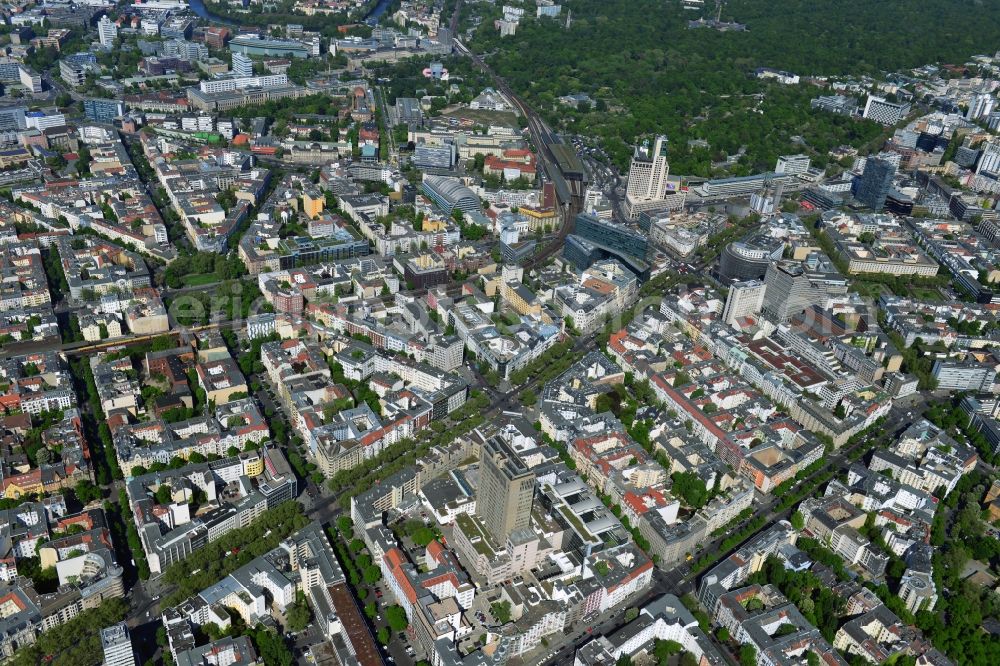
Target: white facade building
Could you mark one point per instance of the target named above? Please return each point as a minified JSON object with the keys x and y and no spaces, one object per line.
{"x":242,"y":66}
{"x":745,"y":299}
{"x":107,"y":32}
{"x":647,"y":175}
{"x":117,"y":646}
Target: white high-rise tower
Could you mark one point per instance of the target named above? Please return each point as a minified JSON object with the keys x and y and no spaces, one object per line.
{"x":647,"y":175}
{"x":242,"y":66}
{"x":745,"y":299}
{"x":107,"y":32}
{"x":980,"y":106}
{"x":117,"y":645}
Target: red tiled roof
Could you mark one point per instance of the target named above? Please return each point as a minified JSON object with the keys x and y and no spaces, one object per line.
{"x":395,"y":559}
{"x":435,"y":550}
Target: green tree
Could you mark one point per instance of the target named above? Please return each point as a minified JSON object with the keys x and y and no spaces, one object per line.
{"x":689,"y":487}
{"x":75,"y":641}
{"x":500,"y":610}
{"x":345,"y":526}
{"x":83,"y":161}
{"x":231,"y":551}
{"x":396,"y":617}
{"x":663,"y":650}
{"x":87,"y":492}
{"x":298,"y":615}
{"x":271,"y":647}
{"x":163,"y":494}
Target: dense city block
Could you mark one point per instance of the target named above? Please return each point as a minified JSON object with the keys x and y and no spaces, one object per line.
{"x":475,"y":333}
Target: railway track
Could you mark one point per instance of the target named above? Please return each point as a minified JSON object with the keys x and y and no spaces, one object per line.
{"x":543,"y":139}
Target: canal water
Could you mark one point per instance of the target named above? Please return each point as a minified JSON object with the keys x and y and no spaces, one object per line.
{"x":198,"y":7}
{"x":376,"y":13}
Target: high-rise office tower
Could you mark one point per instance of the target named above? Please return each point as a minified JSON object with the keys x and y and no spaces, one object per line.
{"x":745,"y":299}
{"x":980,"y":106}
{"x":117,"y":646}
{"x":107,"y":32}
{"x":875,"y":183}
{"x":791,"y":287}
{"x":647,"y":175}
{"x":242,"y":65}
{"x":506,"y":490}
{"x":787,"y":290}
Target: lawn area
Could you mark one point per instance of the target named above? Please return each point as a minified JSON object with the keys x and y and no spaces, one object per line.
{"x":875,"y":289}
{"x":870,"y":290}
{"x":925,"y":294}
{"x":198,"y":279}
